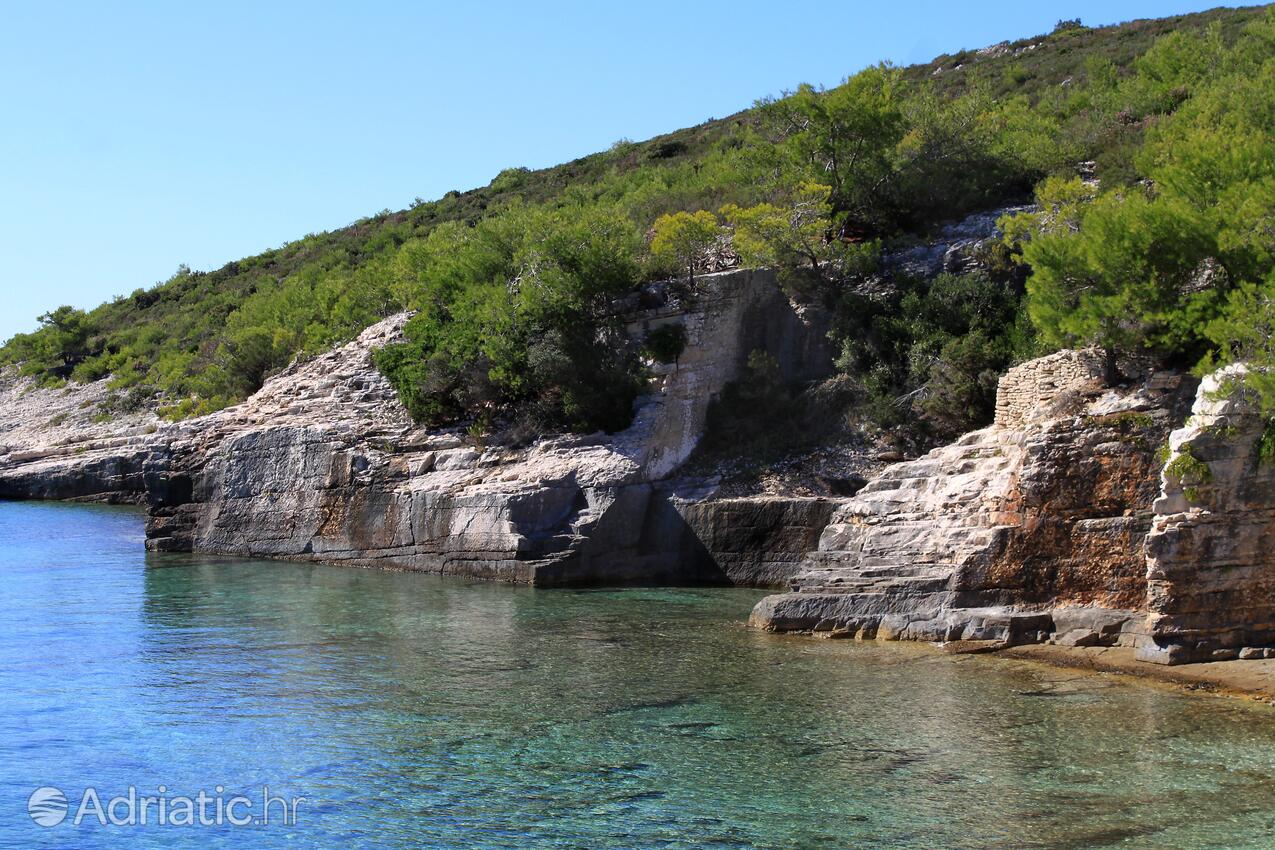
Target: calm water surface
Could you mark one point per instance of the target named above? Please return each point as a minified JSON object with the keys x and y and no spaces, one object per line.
{"x":413,"y":711}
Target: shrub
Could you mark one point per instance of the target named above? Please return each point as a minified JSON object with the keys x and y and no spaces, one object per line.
{"x":666,"y":343}
{"x":928,"y":354}
{"x":1191,"y":472}
{"x":516,"y":322}
{"x":680,"y":240}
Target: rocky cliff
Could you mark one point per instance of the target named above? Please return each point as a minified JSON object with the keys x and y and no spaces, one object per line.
{"x":323,"y":463}
{"x":1044,"y":511}
{"x":57,"y":444}
{"x":1061,"y":522}
{"x":1211,"y":550}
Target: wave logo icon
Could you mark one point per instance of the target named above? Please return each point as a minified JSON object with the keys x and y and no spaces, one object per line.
{"x":47,"y":806}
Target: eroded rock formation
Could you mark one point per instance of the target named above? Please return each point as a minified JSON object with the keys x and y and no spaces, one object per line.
{"x":323,"y":463}
{"x":57,"y":444}
{"x":1211,"y":551}
{"x":1028,"y":530}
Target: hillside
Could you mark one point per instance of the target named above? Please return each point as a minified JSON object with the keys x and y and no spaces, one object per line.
{"x":514,"y":281}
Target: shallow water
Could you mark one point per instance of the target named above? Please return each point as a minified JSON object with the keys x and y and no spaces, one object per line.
{"x":414,"y":711}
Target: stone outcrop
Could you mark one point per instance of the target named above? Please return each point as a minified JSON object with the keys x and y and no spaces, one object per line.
{"x":956,"y":248}
{"x":1029,"y":530}
{"x":757,"y":541}
{"x":56,"y":443}
{"x":1063,"y":522}
{"x":113,"y":471}
{"x":1211,"y":551}
{"x":323,"y":463}
{"x":1060,"y":522}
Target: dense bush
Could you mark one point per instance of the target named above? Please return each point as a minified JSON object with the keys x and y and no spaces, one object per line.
{"x":515,"y":321}
{"x":680,"y":240}
{"x":666,"y":343}
{"x":761,"y":417}
{"x":928,"y":354}
{"x":1178,"y":265}
{"x":61,"y":345}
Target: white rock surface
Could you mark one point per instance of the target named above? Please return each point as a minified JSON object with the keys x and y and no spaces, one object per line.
{"x":324,"y":463}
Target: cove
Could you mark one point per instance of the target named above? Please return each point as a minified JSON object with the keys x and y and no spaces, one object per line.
{"x":416,"y":711}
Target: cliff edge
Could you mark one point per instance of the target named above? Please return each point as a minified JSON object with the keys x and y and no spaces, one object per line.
{"x":324,"y":463}
{"x":1063,"y":523}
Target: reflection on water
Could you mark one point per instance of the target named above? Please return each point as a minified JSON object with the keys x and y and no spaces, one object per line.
{"x":413,"y":711}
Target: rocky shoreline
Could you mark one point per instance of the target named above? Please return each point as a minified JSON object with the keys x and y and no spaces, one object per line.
{"x":1252,"y":679}
{"x":1087,"y":515}
{"x":323,"y":463}
{"x":1062,"y":524}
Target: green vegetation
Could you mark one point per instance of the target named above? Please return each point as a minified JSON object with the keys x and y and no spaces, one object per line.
{"x":679,"y":240}
{"x":62,"y":343}
{"x":1168,"y":252}
{"x":1192,"y":472}
{"x":514,"y":320}
{"x":666,"y":343}
{"x":927,"y":355}
{"x":1174,"y":260}
{"x":762,"y":418}
{"x":1131,"y":428}
{"x":792,"y":236}
{"x":1266,"y":444}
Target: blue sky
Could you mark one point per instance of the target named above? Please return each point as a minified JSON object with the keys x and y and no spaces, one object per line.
{"x":136,"y":137}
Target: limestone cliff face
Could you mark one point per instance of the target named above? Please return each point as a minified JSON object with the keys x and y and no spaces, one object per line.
{"x":1063,"y":523}
{"x":54,"y":443}
{"x":318,"y":483}
{"x":757,"y":541}
{"x":1028,"y":529}
{"x":1211,"y":551}
{"x":324,"y":464}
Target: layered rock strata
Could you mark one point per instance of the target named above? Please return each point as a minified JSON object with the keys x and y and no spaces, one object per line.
{"x":57,"y":444}
{"x":1028,"y":530}
{"x":1211,"y":550}
{"x":324,"y":464}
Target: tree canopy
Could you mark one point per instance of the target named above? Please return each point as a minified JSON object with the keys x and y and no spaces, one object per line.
{"x":1164,"y":264}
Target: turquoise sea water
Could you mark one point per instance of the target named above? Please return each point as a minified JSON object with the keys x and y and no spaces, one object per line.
{"x":412,"y":711}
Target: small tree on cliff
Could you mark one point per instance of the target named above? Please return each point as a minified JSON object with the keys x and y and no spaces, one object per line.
{"x":680,"y":239}
{"x":846,"y":138}
{"x":788,"y":235}
{"x":65,"y":339}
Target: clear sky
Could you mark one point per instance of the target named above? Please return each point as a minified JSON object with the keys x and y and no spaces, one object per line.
{"x":138,"y":136}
